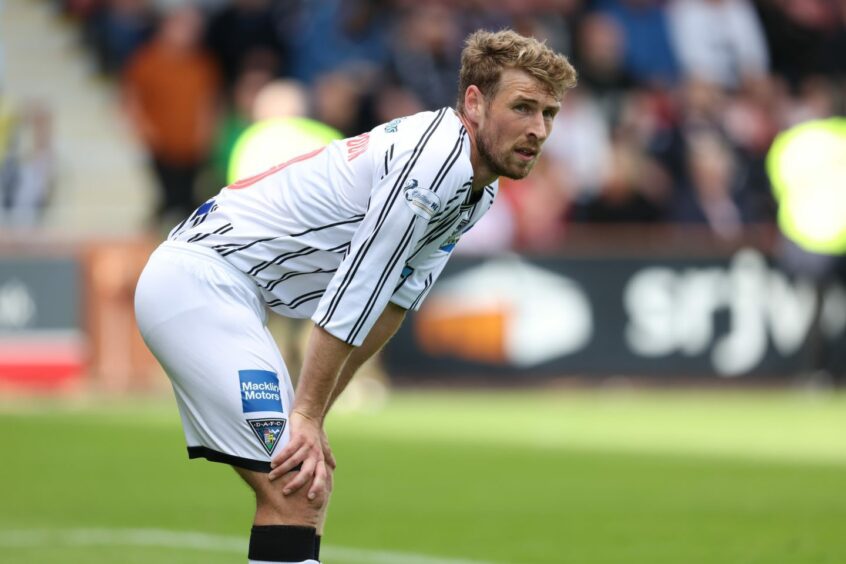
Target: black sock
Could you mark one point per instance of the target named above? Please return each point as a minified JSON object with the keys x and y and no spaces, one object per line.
{"x":317,"y":547}
{"x":283,"y":543}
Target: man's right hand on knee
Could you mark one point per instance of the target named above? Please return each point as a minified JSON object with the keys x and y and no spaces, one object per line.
{"x":306,"y":447}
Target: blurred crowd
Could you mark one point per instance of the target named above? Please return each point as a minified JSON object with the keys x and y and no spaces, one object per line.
{"x":677,"y":104}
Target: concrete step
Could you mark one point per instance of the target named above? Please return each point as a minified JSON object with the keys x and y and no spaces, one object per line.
{"x":103,"y":186}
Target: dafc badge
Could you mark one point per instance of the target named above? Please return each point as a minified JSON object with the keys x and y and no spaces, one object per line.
{"x":268,"y":431}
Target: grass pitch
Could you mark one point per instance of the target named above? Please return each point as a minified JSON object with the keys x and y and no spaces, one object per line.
{"x":435,"y":477}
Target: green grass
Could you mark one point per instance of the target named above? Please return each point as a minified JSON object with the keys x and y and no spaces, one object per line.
{"x":586,"y":477}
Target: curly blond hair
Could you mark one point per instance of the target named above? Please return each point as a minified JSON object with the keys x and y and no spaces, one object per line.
{"x":486,"y":54}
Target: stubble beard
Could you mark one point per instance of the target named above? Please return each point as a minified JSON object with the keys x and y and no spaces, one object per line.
{"x":496,"y":163}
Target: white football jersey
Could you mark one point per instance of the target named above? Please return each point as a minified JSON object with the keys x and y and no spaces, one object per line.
{"x":338,"y":233}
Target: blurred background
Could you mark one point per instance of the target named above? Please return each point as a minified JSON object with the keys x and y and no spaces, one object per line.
{"x":654,"y":234}
{"x":684,"y":229}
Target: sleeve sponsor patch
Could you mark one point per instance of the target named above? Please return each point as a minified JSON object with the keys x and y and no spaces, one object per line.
{"x":424,"y":203}
{"x":260,"y":391}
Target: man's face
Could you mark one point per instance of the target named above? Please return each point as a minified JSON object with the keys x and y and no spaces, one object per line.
{"x":517,"y":121}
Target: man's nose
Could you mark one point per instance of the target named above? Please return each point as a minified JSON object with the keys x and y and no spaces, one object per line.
{"x":537,"y":127}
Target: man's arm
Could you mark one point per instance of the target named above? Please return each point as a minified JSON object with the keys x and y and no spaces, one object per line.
{"x":325,"y":355}
{"x":328,"y":367}
{"x":385,"y":327}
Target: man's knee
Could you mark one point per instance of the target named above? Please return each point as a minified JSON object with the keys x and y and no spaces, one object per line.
{"x":272,"y":507}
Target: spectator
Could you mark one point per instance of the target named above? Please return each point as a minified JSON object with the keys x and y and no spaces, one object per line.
{"x":674,"y":95}
{"x":241,"y":31}
{"x":580,"y":140}
{"x":599,"y":56}
{"x":719,"y":41}
{"x":707,"y":196}
{"x":271,"y":139}
{"x":804,"y":38}
{"x":539,"y":205}
{"x":117,"y":29}
{"x":751,"y":120}
{"x":170,"y":93}
{"x":631,"y":191}
{"x":27,"y":166}
{"x":425,"y":55}
{"x":338,"y":99}
{"x":649,"y":54}
{"x":324,"y":35}
{"x":816,"y":98}
{"x":552,"y":21}
{"x":237,"y":117}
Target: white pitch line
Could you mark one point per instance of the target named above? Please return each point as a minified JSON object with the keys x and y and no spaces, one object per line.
{"x":187,"y":540}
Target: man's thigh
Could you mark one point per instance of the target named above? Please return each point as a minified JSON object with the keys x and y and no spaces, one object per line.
{"x":230,"y":382}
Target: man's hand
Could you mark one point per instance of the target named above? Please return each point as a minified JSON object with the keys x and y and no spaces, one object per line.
{"x":327,"y":452}
{"x":307,"y":446}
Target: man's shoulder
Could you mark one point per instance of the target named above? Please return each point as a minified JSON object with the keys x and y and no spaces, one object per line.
{"x":422,"y":126}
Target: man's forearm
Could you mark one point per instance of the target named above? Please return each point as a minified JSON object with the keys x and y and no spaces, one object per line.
{"x":382,"y":331}
{"x":324,"y":358}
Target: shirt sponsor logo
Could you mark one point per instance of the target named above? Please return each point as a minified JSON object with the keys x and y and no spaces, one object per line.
{"x":260,"y":391}
{"x":268,"y":432}
{"x":423,"y":203}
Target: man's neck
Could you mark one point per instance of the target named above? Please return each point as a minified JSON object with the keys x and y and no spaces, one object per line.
{"x":482,"y":176}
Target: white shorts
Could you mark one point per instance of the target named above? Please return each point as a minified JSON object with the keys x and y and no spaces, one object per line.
{"x":205,"y":322}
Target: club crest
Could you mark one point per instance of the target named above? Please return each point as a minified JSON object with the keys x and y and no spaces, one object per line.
{"x":268,"y":432}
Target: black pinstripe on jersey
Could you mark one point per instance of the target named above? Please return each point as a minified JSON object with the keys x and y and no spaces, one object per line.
{"x":450,"y":160}
{"x":423,"y":293}
{"x":459,"y":193}
{"x":225,"y":252}
{"x":219,"y":231}
{"x":299,"y":300}
{"x":290,"y":255}
{"x":273,"y":283}
{"x":229,"y":251}
{"x":406,"y":240}
{"x":395,"y":191}
{"x":175,"y":231}
{"x":392,"y":263}
{"x":279,"y":259}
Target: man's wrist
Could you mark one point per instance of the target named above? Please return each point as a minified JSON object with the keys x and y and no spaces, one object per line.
{"x":314,"y":417}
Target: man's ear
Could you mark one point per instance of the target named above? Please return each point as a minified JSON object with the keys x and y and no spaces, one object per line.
{"x":474,"y":103}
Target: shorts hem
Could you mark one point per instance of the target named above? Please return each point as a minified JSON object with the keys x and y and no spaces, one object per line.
{"x":216,"y":456}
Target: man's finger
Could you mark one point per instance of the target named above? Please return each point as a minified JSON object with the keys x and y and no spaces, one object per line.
{"x":303,"y":476}
{"x":287,"y":451}
{"x":285,"y":466}
{"x":329,"y":457}
{"x":319,"y":483}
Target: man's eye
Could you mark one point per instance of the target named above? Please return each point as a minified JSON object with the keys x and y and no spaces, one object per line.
{"x":522,"y":108}
{"x":548,"y":114}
